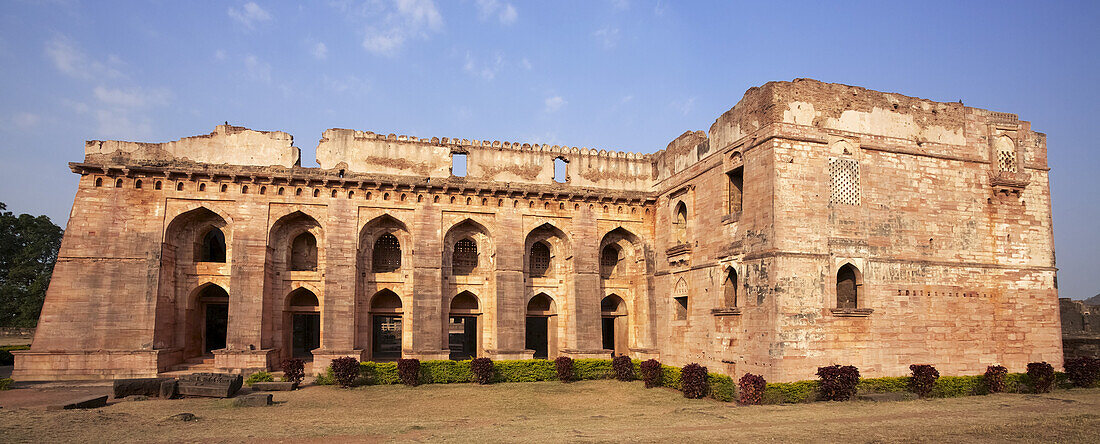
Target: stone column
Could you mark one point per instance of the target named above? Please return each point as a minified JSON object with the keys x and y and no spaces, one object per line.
{"x":338,"y":310}
{"x":583,"y":315}
{"x":424,"y":316}
{"x":511,"y":306}
{"x":245,"y":344}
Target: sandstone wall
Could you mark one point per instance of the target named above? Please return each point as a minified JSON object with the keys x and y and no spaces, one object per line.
{"x":229,"y":145}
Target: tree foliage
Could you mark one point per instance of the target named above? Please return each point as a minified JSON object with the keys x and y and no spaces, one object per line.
{"x":28,"y":251}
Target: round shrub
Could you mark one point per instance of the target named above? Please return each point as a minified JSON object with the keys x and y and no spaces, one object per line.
{"x":294,"y":370}
{"x":923,"y":380}
{"x":1041,"y":376}
{"x":408,"y":371}
{"x":838,"y":383}
{"x":258,"y":377}
{"x":995,"y":378}
{"x":482,"y":368}
{"x":651,"y":373}
{"x":751,"y":389}
{"x":1083,"y":372}
{"x":564,"y":366}
{"x":346,"y":370}
{"x":693,"y":379}
{"x":624,"y":368}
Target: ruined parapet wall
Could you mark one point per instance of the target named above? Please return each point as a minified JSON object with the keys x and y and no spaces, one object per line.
{"x":509,"y":162}
{"x":230,"y":145}
{"x":937,"y":129}
{"x":1080,"y":329}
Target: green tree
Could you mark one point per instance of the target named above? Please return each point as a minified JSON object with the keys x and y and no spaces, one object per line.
{"x":28,"y":251}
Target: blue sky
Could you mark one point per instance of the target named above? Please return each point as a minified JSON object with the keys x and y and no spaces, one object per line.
{"x":627,"y":74}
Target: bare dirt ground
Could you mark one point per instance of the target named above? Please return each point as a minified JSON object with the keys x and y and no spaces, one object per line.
{"x":551,"y":411}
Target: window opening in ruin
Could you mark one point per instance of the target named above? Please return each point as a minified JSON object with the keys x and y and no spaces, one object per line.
{"x":303,"y":253}
{"x":679,"y":224}
{"x":844,"y":182}
{"x":281,"y":191}
{"x":539,"y":260}
{"x":99,"y":181}
{"x":316,"y":192}
{"x":729,"y":289}
{"x":609,"y":258}
{"x":213,"y":246}
{"x":351,"y":194}
{"x":118,"y":183}
{"x":202,"y":187}
{"x":137,"y":184}
{"x":263,"y":190}
{"x":736,"y":187}
{"x":561,"y":167}
{"x":298,"y":192}
{"x":458,"y":164}
{"x":386,"y":257}
{"x":244,"y":189}
{"x":847,"y":288}
{"x":1006,"y":154}
{"x":333,"y":194}
{"x":225,"y":188}
{"x":464,"y":257}
{"x":179,"y":186}
{"x":157,"y":185}
{"x":680,"y":300}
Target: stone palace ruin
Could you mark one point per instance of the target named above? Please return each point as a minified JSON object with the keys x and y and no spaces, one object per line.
{"x":812,"y":224}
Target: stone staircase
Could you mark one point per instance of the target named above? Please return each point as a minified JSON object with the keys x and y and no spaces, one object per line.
{"x":193,"y":365}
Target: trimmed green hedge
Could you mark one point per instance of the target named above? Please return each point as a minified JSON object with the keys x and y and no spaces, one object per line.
{"x":6,"y":358}
{"x":5,"y":383}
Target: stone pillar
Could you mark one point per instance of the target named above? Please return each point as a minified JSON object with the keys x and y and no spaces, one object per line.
{"x":424,"y":316}
{"x":245,"y":344}
{"x":338,"y":310}
{"x":509,"y":327}
{"x":583,"y":315}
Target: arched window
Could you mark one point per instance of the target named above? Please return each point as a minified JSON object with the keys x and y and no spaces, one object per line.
{"x":99,"y":181}
{"x":137,"y":184}
{"x":157,"y":185}
{"x":539,"y":261}
{"x":464,"y":257}
{"x":225,"y":187}
{"x":847,"y":288}
{"x":386,"y":256}
{"x":679,"y":224}
{"x":179,"y":186}
{"x":118,"y":183}
{"x":1006,"y":154}
{"x":680,"y":300}
{"x":303,"y":253}
{"x":609,"y":259}
{"x":213,"y":246}
{"x":729,"y":288}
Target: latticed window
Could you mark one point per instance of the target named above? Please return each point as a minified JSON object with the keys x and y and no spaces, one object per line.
{"x":464,"y":258}
{"x":386,"y":257}
{"x":609,"y":258}
{"x":539,"y":260}
{"x":844,"y":181}
{"x":1006,"y":160}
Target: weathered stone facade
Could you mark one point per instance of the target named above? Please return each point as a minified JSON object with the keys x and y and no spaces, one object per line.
{"x":812,"y":224}
{"x":1080,"y":328}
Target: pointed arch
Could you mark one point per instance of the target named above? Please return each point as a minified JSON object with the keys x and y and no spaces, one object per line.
{"x":730,"y":288}
{"x":383,"y":245}
{"x":468,"y":249}
{"x":680,"y":223}
{"x":546,"y":250}
{"x":463,"y":328}
{"x":680,"y":302}
{"x":849,"y":281}
{"x":297,"y":242}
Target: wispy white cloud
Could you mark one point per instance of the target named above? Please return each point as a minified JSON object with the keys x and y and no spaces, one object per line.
{"x":391,"y":25}
{"x":319,"y":51}
{"x":607,"y":36}
{"x":249,"y":15}
{"x":219,"y":54}
{"x":487,"y":71}
{"x":620,"y":5}
{"x":23,"y":121}
{"x":349,"y":84}
{"x":684,"y":106}
{"x":526,"y":64}
{"x":504,"y":12}
{"x":256,"y":69}
{"x":554,"y":103}
{"x":71,"y":61}
{"x":132,"y":97}
{"x":120,"y":124}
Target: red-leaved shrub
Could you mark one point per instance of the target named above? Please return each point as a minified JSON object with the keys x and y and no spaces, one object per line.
{"x":294,"y":370}
{"x":482,"y":368}
{"x":1041,"y":376}
{"x":651,"y":373}
{"x":693,"y":380}
{"x":838,"y":383}
{"x":995,"y":378}
{"x":1083,"y":372}
{"x":624,"y":368}
{"x":408,"y":371}
{"x":346,"y":370}
{"x":751,"y":389}
{"x":923,"y":380}
{"x":564,"y":365}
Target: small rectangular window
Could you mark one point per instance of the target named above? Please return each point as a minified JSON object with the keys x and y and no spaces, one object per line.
{"x":736,"y":187}
{"x":681,"y":307}
{"x":458,"y":164}
{"x":560,"y":171}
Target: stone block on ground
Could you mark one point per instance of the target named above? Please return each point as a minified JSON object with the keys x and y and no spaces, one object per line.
{"x":216,"y":385}
{"x":274,"y":386}
{"x":253,"y":400}
{"x":86,"y":402}
{"x":169,"y":388}
{"x":137,"y":386}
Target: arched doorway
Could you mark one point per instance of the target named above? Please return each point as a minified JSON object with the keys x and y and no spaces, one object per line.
{"x":541,"y":326}
{"x":462,"y":329}
{"x":213,"y":303}
{"x":614,"y":324}
{"x":304,"y":315}
{"x":385,"y":309}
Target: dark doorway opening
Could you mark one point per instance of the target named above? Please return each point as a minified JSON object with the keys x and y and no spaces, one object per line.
{"x":217,"y":327}
{"x":387,"y":338}
{"x":462,"y":337}
{"x":537,"y":337}
{"x":609,"y":333}
{"x":307,"y":334}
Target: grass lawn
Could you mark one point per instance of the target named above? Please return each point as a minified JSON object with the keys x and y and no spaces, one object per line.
{"x":552,"y":411}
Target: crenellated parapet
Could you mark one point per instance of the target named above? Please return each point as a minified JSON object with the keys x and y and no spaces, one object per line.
{"x":511,"y":162}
